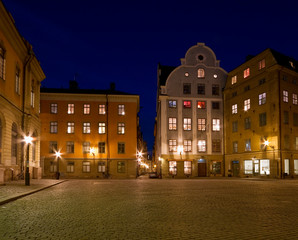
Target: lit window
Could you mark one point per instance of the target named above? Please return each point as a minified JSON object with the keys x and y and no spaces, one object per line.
{"x":246,"y":104}
{"x":86,"y":127}
{"x":296,"y":166}
{"x":172,"y":145}
{"x":248,"y":167}
{"x":70,"y":127}
{"x":201,"y":73}
{"x":172,"y":103}
{"x":70,"y":167}
{"x":101,"y":147}
{"x":86,"y":147}
{"x":186,"y":88}
{"x":246,"y":73}
{"x":53,"y":127}
{"x":285,"y":96}
{"x":101,"y":167}
{"x":216,"y":145}
{"x":262,"y":119}
{"x":201,"y":89}
{"x":2,"y":63}
{"x":70,"y":108}
{"x":121,"y":148}
{"x":121,"y":109}
{"x":215,"y":89}
{"x":121,"y":128}
{"x":101,"y":109}
{"x":70,"y":147}
{"x":172,"y":123}
{"x":86,"y":167}
{"x":262,"y":98}
{"x":235,"y":147}
{"x":201,"y":105}
{"x":54,"y":108}
{"x":101,"y":128}
{"x":234,"y":79}
{"x":187,"y":167}
{"x":265,"y":166}
{"x":262,"y":64}
{"x":295,"y":102}
{"x":18,"y":80}
{"x":187,"y":124}
{"x":247,"y":145}
{"x":201,"y":124}
{"x":121,"y":167}
{"x":234,"y":109}
{"x":202,"y":146}
{"x":187,"y":145}
{"x":215,"y":124}
{"x":187,"y":104}
{"x":86,"y":108}
{"x":172,"y":167}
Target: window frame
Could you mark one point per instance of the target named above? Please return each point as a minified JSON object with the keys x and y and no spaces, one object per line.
{"x":70,"y":108}
{"x":121,"y":109}
{"x":202,"y":147}
{"x":54,"y":108}
{"x":187,"y":124}
{"x":172,"y":145}
{"x":187,"y":145}
{"x":101,"y":109}
{"x":86,"y":127}
{"x":120,"y":128}
{"x":216,"y":124}
{"x":101,"y":128}
{"x":246,"y":73}
{"x":86,"y":109}
{"x":202,"y":124}
{"x":53,"y":127}
{"x":70,"y":128}
{"x":121,"y":147}
{"x":172,"y":121}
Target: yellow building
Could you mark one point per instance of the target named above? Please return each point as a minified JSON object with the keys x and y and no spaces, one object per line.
{"x":261,"y":117}
{"x":20,"y":77}
{"x":94,"y":130}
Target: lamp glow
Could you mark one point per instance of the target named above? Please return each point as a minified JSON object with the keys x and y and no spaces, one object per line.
{"x":28,"y":139}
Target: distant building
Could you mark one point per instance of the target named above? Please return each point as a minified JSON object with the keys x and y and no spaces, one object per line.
{"x":20,"y":77}
{"x":261,"y":117}
{"x":189,"y":122}
{"x":94,"y":130}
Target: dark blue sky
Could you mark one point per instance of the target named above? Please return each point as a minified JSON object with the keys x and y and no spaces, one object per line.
{"x":123,"y":41}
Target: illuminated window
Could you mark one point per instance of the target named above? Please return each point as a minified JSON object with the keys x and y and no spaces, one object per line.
{"x":172,"y":167}
{"x":2,"y":63}
{"x":101,"y":147}
{"x":235,"y":126}
{"x":201,"y":124}
{"x":121,"y":167}
{"x":121,"y":109}
{"x":296,"y":143}
{"x":234,"y":109}
{"x":186,"y":88}
{"x":262,"y":64}
{"x":246,"y":104}
{"x":101,"y":167}
{"x":262,"y":119}
{"x":121,"y":148}
{"x":101,"y":109}
{"x":235,"y":147}
{"x":215,"y":105}
{"x":215,"y":89}
{"x":172,"y":124}
{"x":101,"y":128}
{"x":86,"y":167}
{"x":202,"y":146}
{"x":53,"y":127}
{"x":215,"y":124}
{"x":265,"y":166}
{"x":201,"y":89}
{"x":285,"y":96}
{"x":187,"y":104}
{"x":234,"y":79}
{"x":187,"y":145}
{"x":201,"y":104}
{"x":248,"y":167}
{"x":86,"y":108}
{"x":70,"y":167}
{"x":187,"y":167}
{"x":172,"y":103}
{"x":53,"y":146}
{"x":86,"y":147}
{"x":295,"y":102}
{"x":247,"y":145}
{"x":70,"y":147}
{"x":86,"y":127}
{"x":296,"y":166}
{"x":247,"y":123}
{"x":172,"y":145}
{"x":201,"y":73}
{"x":262,"y":98}
{"x":70,"y":108}
{"x":70,"y":127}
{"x":246,"y":73}
{"x":54,"y":108}
{"x":216,"y":145}
{"x":18,"y":80}
{"x":121,"y":128}
{"x":187,"y":124}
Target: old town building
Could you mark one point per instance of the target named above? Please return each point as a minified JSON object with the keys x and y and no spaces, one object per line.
{"x":95,"y":131}
{"x":261,"y":117}
{"x":20,"y":77}
{"x":189,"y":122}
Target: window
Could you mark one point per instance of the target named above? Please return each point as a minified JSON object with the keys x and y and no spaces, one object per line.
{"x":235,"y":126}
{"x":295,"y":102}
{"x":53,"y":127}
{"x":52,"y":146}
{"x":172,"y":124}
{"x":246,"y":88}
{"x":201,"y":73}
{"x":70,"y":147}
{"x":86,"y":108}
{"x":247,"y":123}
{"x":86,"y":147}
{"x":186,"y":88}
{"x":101,"y":128}
{"x":286,"y":141}
{"x":101,"y":167}
{"x":121,"y":167}
{"x":285,"y":78}
{"x":248,"y":167}
{"x":70,"y":108}
{"x":247,"y":145}
{"x":101,"y":109}
{"x":215,"y":124}
{"x":262,"y":81}
{"x":86,"y":167}
{"x":262,"y":98}
{"x":187,"y":145}
{"x":295,"y":119}
{"x":286,"y":117}
{"x":246,"y":104}
{"x":215,"y":105}
{"x":53,"y":167}
{"x":187,"y":104}
{"x":262,"y":119}
{"x":121,"y":109}
{"x":262,"y":64}
{"x":202,"y":146}
{"x":216,"y":145}
{"x":187,"y":124}
{"x":265,"y":166}
{"x":2,"y":63}
{"x":234,"y":109}
{"x":201,"y":89}
{"x":172,"y":167}
{"x":215,"y":89}
{"x":187,"y":167}
{"x":172,"y":103}
{"x":32,"y":95}
{"x":121,"y":128}
{"x":246,"y":73}
{"x":70,"y":127}
{"x":234,"y":94}
{"x":121,"y":148}
{"x":234,"y":79}
{"x":172,"y":145}
{"x":201,"y":124}
{"x":296,"y":143}
{"x":285,"y":96}
{"x":86,"y":127}
{"x":201,"y":104}
{"x":296,"y":166}
{"x":18,"y":80}
{"x":235,"y":147}
{"x":54,"y":108}
{"x":101,"y":147}
{"x":70,"y":167}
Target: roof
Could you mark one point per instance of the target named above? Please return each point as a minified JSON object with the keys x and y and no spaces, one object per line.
{"x":284,"y":60}
{"x":163,"y":73}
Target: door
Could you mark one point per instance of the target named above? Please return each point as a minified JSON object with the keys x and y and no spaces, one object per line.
{"x":235,"y":168}
{"x":202,"y":169}
{"x":256,"y":168}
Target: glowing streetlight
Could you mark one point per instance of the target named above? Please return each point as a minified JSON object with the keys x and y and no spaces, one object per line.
{"x":266,"y":143}
{"x":28,"y":140}
{"x":58,"y":156}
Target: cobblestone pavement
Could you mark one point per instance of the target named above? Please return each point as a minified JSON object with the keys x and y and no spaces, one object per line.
{"x":155,"y":209}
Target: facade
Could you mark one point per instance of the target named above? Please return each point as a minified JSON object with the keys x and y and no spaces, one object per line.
{"x":261,"y":117}
{"x":20,"y":78}
{"x":94,"y":130}
{"x":189,"y":122}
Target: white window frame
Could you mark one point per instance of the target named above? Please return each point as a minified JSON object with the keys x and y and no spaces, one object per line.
{"x":262,"y":98}
{"x":172,"y":145}
{"x":70,"y":108}
{"x":101,"y":109}
{"x":202,"y":124}
{"x":172,"y":123}
{"x":187,"y":144}
{"x":70,"y":127}
{"x":247,"y":104}
{"x":86,"y":108}
{"x":102,"y":128}
{"x":187,"y":124}
{"x":285,"y":96}
{"x":295,"y":99}
{"x":216,"y":124}
{"x":121,"y":109}
{"x":234,"y":108}
{"x":202,"y":146}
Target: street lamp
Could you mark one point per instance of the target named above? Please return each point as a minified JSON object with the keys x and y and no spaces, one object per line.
{"x":58,"y":156}
{"x":180,"y":151}
{"x":28,"y":140}
{"x":92,"y":152}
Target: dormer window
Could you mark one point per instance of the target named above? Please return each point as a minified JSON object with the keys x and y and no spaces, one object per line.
{"x":201,"y":73}
{"x":246,"y":73}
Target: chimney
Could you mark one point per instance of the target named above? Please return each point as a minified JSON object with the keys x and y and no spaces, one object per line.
{"x":248,"y":57}
{"x":73,"y":85}
{"x":112,"y":86}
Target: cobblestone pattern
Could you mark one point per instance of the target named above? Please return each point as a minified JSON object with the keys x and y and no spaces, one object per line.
{"x":155,"y":209}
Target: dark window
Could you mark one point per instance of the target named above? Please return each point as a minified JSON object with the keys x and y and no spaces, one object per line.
{"x":121,"y":167}
{"x":201,"y":89}
{"x":262,"y":81}
{"x":235,"y":126}
{"x":186,"y":88}
{"x":286,"y":117}
{"x":215,"y":145}
{"x":262,"y":119}
{"x":70,"y":147}
{"x":215,"y":89}
{"x":247,"y":123}
{"x":234,"y":94}
{"x":246,"y":88}
{"x":101,"y":147}
{"x":53,"y":147}
{"x":121,"y":148}
{"x":215,"y":105}
{"x":295,"y":119}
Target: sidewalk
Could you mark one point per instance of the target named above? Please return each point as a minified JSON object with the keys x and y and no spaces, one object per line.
{"x":14,"y":190}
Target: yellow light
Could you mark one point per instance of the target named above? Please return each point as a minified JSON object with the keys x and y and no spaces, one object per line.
{"x":180,"y":149}
{"x":92,"y":151}
{"x":58,"y":154}
{"x":266,"y":143}
{"x":28,"y":139}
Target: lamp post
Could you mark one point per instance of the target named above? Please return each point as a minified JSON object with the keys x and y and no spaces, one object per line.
{"x":267,"y":143}
{"x":28,"y":139}
{"x":92,"y":152}
{"x":58,"y":156}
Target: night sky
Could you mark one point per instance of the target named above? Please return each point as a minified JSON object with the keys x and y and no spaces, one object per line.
{"x":123,"y":41}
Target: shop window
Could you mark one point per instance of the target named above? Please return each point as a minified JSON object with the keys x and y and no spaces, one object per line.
{"x":187,"y":167}
{"x":287,"y":166}
{"x":216,"y":168}
{"x":173,"y":167}
{"x":265,"y":166}
{"x":248,"y":167}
